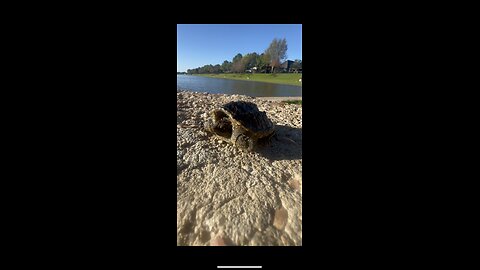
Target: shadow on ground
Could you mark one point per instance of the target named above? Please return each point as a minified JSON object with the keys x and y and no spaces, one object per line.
{"x":285,"y":145}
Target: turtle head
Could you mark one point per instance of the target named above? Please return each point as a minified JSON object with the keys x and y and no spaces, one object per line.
{"x":219,"y":124}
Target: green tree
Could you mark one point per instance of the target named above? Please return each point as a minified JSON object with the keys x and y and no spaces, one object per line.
{"x":261,"y":62}
{"x":277,"y":52}
{"x":217,"y":69}
{"x":237,"y":63}
{"x":250,"y":60}
{"x":237,"y":58}
{"x":226,"y":66}
{"x":209,"y":69}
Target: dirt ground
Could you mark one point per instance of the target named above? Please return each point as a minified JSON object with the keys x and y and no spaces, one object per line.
{"x":228,"y":196}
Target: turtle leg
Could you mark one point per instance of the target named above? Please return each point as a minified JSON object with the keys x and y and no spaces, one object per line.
{"x":208,"y":125}
{"x":240,"y":139}
{"x":244,"y":142}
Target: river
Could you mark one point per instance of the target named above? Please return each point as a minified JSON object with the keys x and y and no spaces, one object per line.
{"x":225,"y":86}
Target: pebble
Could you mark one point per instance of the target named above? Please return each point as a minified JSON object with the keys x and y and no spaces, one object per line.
{"x":218,"y":241}
{"x":294,"y":184}
{"x":281,"y":217}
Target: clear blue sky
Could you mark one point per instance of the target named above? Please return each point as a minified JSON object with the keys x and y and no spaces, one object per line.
{"x":203,"y":44}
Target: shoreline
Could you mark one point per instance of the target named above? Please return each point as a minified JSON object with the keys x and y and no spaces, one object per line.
{"x":280,"y":98}
{"x":257,"y":77}
{"x":285,"y":98}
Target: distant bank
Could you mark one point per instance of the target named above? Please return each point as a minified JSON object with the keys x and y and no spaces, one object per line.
{"x":279,"y":78}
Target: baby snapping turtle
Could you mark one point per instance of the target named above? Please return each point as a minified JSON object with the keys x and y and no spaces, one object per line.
{"x":240,"y":123}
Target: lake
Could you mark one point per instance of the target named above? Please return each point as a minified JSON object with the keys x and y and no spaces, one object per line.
{"x":224,"y":86}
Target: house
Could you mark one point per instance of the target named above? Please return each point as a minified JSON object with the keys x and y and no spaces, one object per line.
{"x":291,"y":67}
{"x":296,"y":70}
{"x":285,"y":67}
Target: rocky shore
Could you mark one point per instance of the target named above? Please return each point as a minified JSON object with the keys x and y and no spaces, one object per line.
{"x":228,"y":196}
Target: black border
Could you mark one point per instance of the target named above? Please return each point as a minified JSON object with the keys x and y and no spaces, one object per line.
{"x":97,"y":143}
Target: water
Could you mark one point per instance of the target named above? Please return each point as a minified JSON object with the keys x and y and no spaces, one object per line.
{"x":224,"y":86}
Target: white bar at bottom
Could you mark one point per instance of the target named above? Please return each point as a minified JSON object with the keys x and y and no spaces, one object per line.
{"x":240,"y":266}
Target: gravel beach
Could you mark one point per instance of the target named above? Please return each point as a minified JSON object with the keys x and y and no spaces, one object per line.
{"x":228,"y":196}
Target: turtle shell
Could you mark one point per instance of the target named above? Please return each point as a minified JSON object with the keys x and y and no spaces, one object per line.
{"x":248,"y":115}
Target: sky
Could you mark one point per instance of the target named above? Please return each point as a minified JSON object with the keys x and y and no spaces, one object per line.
{"x":204,"y":44}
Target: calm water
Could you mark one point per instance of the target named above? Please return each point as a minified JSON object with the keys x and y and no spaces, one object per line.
{"x":224,"y":86}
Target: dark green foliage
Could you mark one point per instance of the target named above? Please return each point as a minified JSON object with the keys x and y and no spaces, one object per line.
{"x":251,"y":62}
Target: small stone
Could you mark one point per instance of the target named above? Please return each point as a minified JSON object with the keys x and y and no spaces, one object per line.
{"x":204,"y":236}
{"x":280,"y":219}
{"x":218,"y":241}
{"x":294,"y":184}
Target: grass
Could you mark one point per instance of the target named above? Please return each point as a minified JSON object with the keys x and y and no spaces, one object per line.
{"x":293,"y":102}
{"x":280,"y":78}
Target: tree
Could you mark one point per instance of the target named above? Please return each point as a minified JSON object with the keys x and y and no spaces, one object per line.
{"x":192,"y":71}
{"x":262,"y":61}
{"x":276,"y":52}
{"x":250,"y":60}
{"x":237,"y":58}
{"x":238,"y":65}
{"x":217,"y":69}
{"x":226,"y":66}
{"x":210,"y":69}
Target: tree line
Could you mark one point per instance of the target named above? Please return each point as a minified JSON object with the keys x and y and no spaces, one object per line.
{"x":268,"y":61}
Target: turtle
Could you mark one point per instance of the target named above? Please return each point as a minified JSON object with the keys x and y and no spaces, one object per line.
{"x":240,"y":123}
